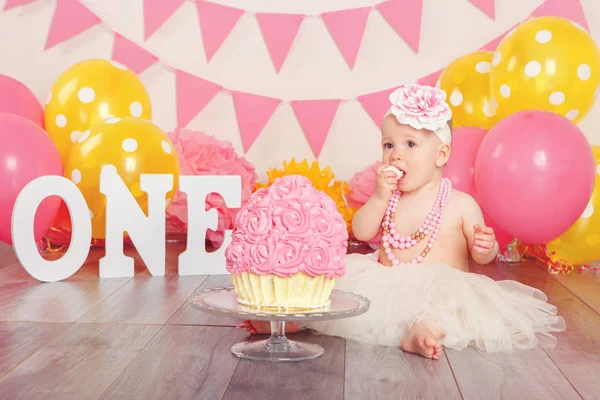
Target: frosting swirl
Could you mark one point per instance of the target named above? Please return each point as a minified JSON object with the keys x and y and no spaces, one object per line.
{"x":288,"y":228}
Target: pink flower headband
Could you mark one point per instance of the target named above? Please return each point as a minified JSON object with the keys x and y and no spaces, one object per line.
{"x":422,"y":107}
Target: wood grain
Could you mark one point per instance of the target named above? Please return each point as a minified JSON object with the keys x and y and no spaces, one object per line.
{"x":144,"y":300}
{"x":181,"y":362}
{"x":80,"y":364}
{"x":585,"y":284}
{"x":377,"y":372}
{"x":19,"y":340}
{"x":53,"y":302}
{"x":577,"y":354}
{"x":533,"y":274}
{"x":188,"y":315}
{"x":521,"y":375}
{"x":322,"y":378}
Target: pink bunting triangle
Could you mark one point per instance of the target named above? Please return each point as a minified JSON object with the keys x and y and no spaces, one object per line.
{"x":156,"y":12}
{"x":376,"y":104}
{"x":253,"y":112}
{"x":216,"y":23}
{"x":131,"y":55}
{"x":316,"y":117}
{"x":279,"y":32}
{"x":15,"y":3}
{"x":193,"y":94}
{"x":404,"y":16}
{"x":569,"y":9}
{"x":70,"y":19}
{"x":431,"y":79}
{"x":347,"y":28}
{"x":487,"y":6}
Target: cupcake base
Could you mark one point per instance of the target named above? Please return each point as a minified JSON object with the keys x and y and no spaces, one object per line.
{"x":297,"y":292}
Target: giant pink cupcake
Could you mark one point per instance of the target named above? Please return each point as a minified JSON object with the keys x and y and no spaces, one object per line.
{"x":288,"y":246}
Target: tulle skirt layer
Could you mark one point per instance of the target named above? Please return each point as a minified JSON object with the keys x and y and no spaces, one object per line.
{"x":470,"y":309}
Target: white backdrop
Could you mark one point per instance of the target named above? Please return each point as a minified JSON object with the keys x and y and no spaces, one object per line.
{"x":314,"y":68}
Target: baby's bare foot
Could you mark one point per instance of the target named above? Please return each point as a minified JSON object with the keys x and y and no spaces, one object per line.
{"x":422,"y":340}
{"x":264,"y":327}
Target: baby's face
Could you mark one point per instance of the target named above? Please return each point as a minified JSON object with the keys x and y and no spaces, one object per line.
{"x":417,"y":152}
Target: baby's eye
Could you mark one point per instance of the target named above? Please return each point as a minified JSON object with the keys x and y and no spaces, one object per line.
{"x":410,"y":143}
{"x":388,"y":146}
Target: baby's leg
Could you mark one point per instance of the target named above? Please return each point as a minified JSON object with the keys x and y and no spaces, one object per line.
{"x":423,"y":339}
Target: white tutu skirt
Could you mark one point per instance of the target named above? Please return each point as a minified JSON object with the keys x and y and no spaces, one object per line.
{"x":470,"y":309}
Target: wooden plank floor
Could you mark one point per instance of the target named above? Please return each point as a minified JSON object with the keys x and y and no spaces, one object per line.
{"x":86,"y":338}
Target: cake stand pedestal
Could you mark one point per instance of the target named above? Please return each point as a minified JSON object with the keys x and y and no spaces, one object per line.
{"x":222,"y":301}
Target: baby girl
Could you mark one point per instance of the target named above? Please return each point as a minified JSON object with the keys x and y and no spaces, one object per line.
{"x":422,"y":295}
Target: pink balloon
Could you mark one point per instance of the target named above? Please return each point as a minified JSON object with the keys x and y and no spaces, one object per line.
{"x":460,"y":168}
{"x":535,"y":174}
{"x":502,"y":237}
{"x":16,"y":98}
{"x":26,"y":153}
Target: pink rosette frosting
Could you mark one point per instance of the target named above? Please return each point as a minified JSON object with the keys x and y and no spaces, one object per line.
{"x":288,"y":228}
{"x":422,"y":107}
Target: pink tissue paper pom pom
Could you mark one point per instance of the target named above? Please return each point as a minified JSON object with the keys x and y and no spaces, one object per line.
{"x":362,"y":187}
{"x":203,"y":154}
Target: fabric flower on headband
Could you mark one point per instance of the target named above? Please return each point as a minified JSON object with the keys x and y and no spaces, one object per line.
{"x":422,"y":107}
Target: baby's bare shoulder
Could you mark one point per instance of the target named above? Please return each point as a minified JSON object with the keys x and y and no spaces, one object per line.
{"x":463,"y":203}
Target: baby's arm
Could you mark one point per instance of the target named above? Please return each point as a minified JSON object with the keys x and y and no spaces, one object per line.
{"x":481,"y":240}
{"x":367,"y":220}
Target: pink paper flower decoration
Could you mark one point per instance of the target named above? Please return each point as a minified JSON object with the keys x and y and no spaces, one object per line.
{"x":362,"y":187}
{"x":203,"y":154}
{"x":422,"y":107}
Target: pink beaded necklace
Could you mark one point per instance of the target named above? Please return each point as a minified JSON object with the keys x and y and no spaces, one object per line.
{"x":432,"y":225}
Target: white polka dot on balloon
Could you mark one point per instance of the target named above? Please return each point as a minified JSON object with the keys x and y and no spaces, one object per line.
{"x":75,"y":135}
{"x":112,"y":120}
{"x":497,"y":58}
{"x":572,"y":114}
{"x":598,"y":169}
{"x":483,"y":67}
{"x":109,"y":169}
{"x":49,"y":98}
{"x":456,"y":98}
{"x":166,"y":146}
{"x":60,"y":120}
{"x":584,"y":72}
{"x":129,"y":145}
{"x":588,"y":212}
{"x":136,"y":109}
{"x":557,"y":98}
{"x":118,"y":65}
{"x":533,"y":69}
{"x":84,"y":136}
{"x":86,"y":95}
{"x":543,"y":36}
{"x":76,"y":176}
{"x":490,"y":108}
{"x":505,"y":90}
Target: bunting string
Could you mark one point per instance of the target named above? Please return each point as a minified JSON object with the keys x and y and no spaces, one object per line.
{"x":253,"y":111}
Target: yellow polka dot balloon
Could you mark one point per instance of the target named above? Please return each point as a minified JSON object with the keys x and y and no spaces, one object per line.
{"x":547,"y":63}
{"x":88,"y":93}
{"x":467,"y":84}
{"x":132,"y":146}
{"x":580,"y":244}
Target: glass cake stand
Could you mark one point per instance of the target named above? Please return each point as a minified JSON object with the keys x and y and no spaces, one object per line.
{"x":222,"y":301}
